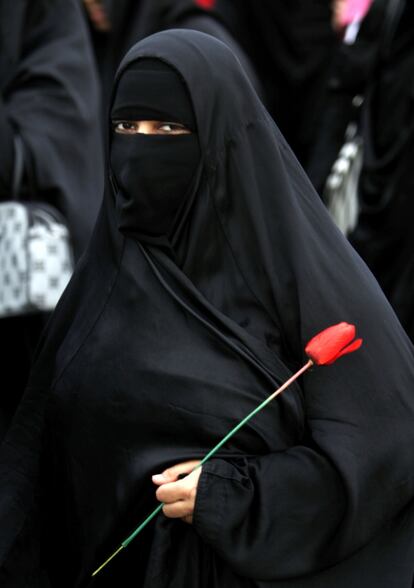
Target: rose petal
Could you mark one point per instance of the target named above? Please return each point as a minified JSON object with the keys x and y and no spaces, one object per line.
{"x":348,"y":349}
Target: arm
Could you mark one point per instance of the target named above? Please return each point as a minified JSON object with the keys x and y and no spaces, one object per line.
{"x":271,"y":517}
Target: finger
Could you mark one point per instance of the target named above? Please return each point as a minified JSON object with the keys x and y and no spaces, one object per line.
{"x":185,"y":489}
{"x":171,"y":474}
{"x":177,"y":510}
{"x":188,"y":519}
{"x":174,"y":491}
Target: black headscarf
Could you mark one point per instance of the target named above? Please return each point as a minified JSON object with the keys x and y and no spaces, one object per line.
{"x":153,"y":356}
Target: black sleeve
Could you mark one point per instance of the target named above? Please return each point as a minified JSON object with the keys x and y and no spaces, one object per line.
{"x":273,"y":516}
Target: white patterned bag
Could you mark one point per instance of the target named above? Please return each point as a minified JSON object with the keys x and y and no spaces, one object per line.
{"x":36,"y":260}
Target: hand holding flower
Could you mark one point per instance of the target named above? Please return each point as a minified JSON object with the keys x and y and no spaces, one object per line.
{"x":178,"y":495}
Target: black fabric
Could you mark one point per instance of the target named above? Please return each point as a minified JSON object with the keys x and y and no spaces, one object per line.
{"x":153,"y":176}
{"x":152,"y":357}
{"x":21,"y":335}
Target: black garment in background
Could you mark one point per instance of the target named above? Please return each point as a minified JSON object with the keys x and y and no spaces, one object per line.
{"x":155,"y":353}
{"x":49,"y":95}
{"x":110,"y":46}
{"x":384,"y":234}
{"x":19,"y":340}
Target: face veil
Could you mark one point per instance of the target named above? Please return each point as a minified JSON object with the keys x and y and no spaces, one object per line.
{"x":153,"y":174}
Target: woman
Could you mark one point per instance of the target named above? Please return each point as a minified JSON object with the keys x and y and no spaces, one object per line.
{"x":212,"y":263}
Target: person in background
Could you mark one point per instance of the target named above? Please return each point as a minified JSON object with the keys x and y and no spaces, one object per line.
{"x":111,"y":25}
{"x":49,"y":98}
{"x":378,"y":69}
{"x":350,"y":72}
{"x":384,"y":235}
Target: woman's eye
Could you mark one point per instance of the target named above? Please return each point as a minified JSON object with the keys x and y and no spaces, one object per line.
{"x":125,"y":127}
{"x":173,"y":128}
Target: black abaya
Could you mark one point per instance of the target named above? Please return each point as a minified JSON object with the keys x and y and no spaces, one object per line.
{"x":157,"y":350}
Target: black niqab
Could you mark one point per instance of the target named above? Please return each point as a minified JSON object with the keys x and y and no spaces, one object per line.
{"x":152,"y":173}
{"x":152,"y":358}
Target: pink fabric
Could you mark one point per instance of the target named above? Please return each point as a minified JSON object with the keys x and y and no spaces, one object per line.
{"x":354,"y":10}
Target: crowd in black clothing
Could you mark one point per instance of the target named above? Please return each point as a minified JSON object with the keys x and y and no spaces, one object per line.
{"x":58,"y":60}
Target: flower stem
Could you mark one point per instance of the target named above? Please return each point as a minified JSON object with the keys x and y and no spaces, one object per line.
{"x":210,"y":454}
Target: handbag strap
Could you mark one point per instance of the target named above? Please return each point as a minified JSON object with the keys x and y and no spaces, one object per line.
{"x":18,"y":166}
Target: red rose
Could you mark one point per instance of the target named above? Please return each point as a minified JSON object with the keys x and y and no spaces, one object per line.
{"x":330,"y":344}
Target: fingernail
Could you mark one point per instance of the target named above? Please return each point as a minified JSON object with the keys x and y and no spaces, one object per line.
{"x":159,"y":478}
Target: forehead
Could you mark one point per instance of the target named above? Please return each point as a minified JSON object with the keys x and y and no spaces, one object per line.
{"x":149,"y":89}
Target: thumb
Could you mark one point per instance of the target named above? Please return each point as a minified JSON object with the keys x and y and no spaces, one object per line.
{"x":172,"y":474}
